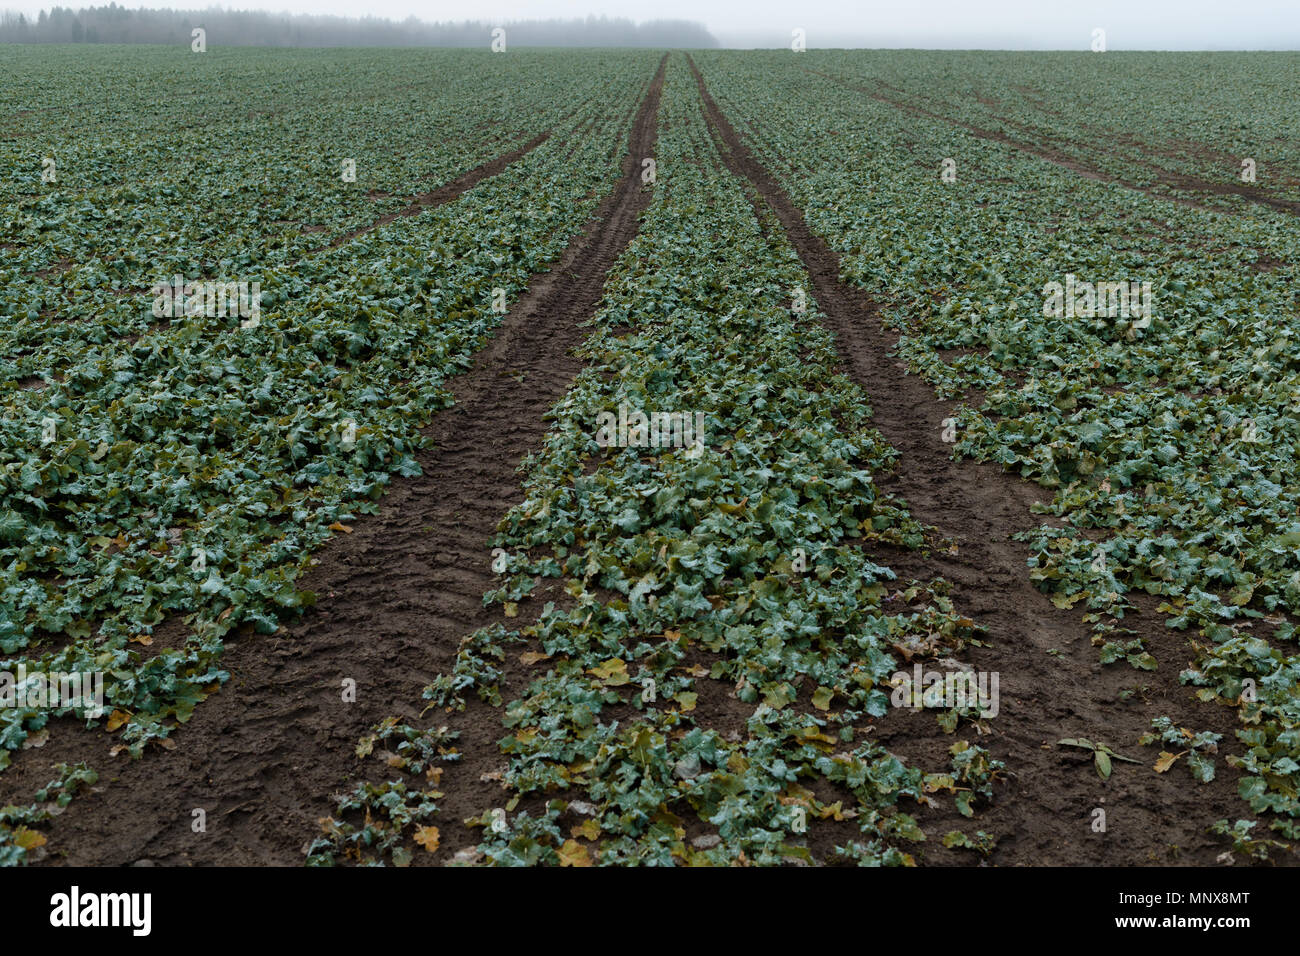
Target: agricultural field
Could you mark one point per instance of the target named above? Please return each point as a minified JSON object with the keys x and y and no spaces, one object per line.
{"x":629,"y":457}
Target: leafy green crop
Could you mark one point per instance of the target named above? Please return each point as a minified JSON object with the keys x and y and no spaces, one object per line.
{"x":18,"y":834}
{"x":740,"y":570}
{"x":1170,"y":445}
{"x":187,"y":468}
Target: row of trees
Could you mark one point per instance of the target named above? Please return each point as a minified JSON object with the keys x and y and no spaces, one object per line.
{"x":114,"y":24}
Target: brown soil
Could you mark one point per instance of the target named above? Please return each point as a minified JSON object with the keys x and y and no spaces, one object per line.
{"x":60,"y":267}
{"x":1051,"y":683}
{"x":399,"y":593}
{"x":1059,"y":158}
{"x":444,"y":193}
{"x":396,"y":597}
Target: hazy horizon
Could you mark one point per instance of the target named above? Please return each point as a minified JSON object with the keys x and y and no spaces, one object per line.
{"x":1154,"y":25}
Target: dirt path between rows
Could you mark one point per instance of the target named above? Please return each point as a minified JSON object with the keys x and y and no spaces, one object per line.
{"x":396,"y":596}
{"x":444,"y":193}
{"x":1051,"y":684}
{"x":1073,"y":165}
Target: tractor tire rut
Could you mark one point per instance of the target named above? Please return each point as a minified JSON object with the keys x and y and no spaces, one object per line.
{"x":395,"y":597}
{"x":1051,"y":683}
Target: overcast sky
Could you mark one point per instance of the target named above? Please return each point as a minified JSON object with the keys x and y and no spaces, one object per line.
{"x":991,"y":24}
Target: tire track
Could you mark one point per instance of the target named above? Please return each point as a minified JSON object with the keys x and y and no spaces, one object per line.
{"x":448,"y":192}
{"x":1051,"y":683}
{"x":396,"y":596}
{"x":442,"y":195}
{"x":1079,"y":168}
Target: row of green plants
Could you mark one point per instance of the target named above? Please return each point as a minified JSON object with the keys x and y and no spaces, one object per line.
{"x":1145,"y":119}
{"x":228,"y":165}
{"x":1170,"y":441}
{"x":705,"y":691}
{"x":192,"y":471}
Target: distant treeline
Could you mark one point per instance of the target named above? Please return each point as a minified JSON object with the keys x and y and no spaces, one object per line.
{"x":114,"y":24}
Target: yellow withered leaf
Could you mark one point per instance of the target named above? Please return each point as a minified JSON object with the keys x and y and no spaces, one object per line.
{"x":428,"y":838}
{"x":28,"y":839}
{"x":613,"y":672}
{"x":588,"y":829}
{"x":1165,"y":761}
{"x":574,"y":853}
